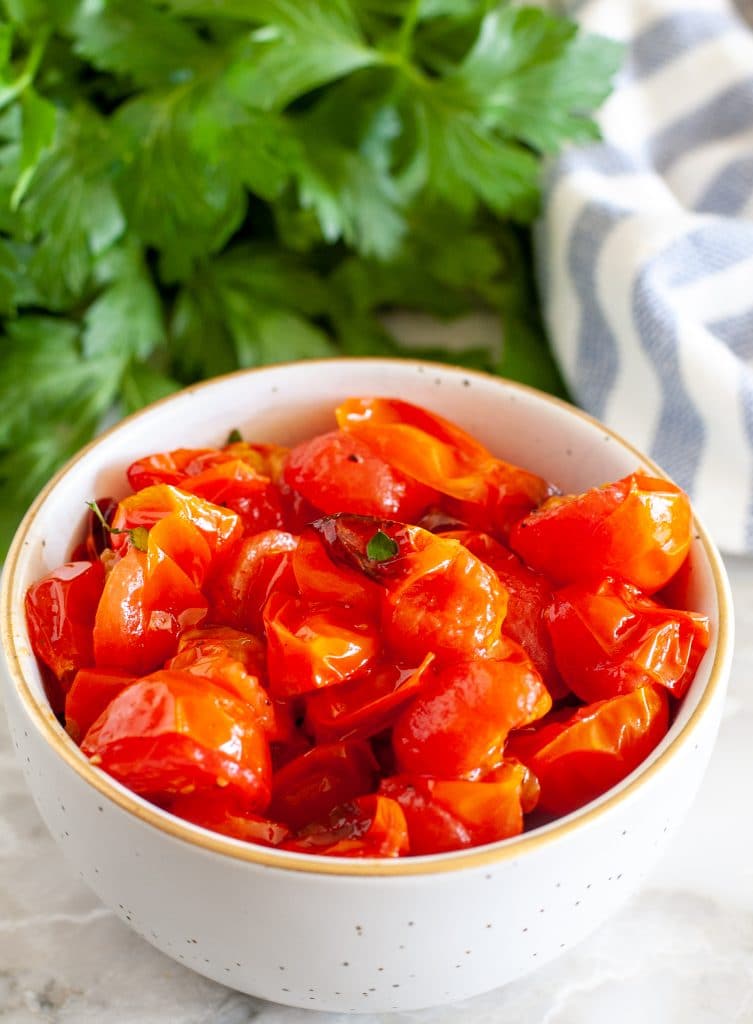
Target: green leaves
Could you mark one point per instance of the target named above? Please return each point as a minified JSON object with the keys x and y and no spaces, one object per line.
{"x":381,"y":548}
{"x":190,"y":186}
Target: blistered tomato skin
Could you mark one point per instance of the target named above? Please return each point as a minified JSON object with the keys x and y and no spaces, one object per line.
{"x":172,"y":733}
{"x":336,"y":472}
{"x":457,"y":727}
{"x":611,"y":639}
{"x":581,"y":756}
{"x":352,"y":648}
{"x":60,"y":611}
{"x":637,"y":529}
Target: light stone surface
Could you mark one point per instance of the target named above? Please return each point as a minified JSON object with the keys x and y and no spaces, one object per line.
{"x":681,"y":952}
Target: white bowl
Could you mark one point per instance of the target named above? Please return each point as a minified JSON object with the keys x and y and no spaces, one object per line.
{"x":335,"y":934}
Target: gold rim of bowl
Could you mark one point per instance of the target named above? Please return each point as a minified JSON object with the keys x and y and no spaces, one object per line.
{"x":44,"y":720}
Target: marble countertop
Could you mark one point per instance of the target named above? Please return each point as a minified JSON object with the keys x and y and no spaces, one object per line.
{"x":681,"y":952}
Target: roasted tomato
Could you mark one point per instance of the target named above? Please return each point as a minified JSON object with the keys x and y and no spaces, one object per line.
{"x":637,"y":529}
{"x":457,"y":726}
{"x":611,"y":639}
{"x":310,"y":648}
{"x":220,"y":812}
{"x":366,"y":705}
{"x":309,"y":788}
{"x":337,"y":472}
{"x":218,"y":526}
{"x":529,"y":594}
{"x":590,"y":750}
{"x":92,"y":690}
{"x":174,"y":733}
{"x":428,"y":448}
{"x":452,"y":814}
{"x":60,"y":610}
{"x":369,"y":826}
{"x":245,"y":577}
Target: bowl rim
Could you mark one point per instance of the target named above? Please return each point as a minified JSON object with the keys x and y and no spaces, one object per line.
{"x":474,"y":857}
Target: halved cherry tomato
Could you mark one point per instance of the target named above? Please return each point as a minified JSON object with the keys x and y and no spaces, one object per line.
{"x":226,"y":814}
{"x":243,"y":580}
{"x":457,"y":726}
{"x":173,"y":733}
{"x":148,"y":599}
{"x":91,"y":692}
{"x":369,"y":826}
{"x":177,"y":466}
{"x":637,"y":529}
{"x":214,"y":663}
{"x":218,"y":526}
{"x":307,"y":789}
{"x":454,"y":814}
{"x":60,"y":610}
{"x":366,"y":705}
{"x":529,"y":594}
{"x":336,"y":472}
{"x":428,"y":448}
{"x":582,"y":756}
{"x":611,"y":639}
{"x":309,"y":648}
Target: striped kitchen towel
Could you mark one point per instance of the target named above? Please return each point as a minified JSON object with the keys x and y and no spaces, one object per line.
{"x":646,"y":250}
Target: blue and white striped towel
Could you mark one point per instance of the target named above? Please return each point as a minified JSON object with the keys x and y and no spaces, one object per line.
{"x":646,"y":250}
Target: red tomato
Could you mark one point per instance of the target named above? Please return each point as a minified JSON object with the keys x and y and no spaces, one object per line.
{"x":319,"y":579}
{"x":214,"y":663}
{"x":60,"y":610}
{"x":611,"y":639}
{"x":242,"y":581}
{"x":637,"y":529}
{"x":369,"y":826}
{"x":584,"y":755}
{"x":176,"y":467}
{"x":364,"y":706}
{"x":338,"y":473}
{"x":246,"y":648}
{"x":438,"y":598}
{"x":454,"y":814}
{"x":218,"y":526}
{"x":91,"y":692}
{"x":457,"y":727}
{"x":307,"y":789}
{"x":173,"y":733}
{"x":147,"y":600}
{"x":428,"y":448}
{"x":309,"y":648}
{"x":220,"y":813}
{"x":529,"y":595}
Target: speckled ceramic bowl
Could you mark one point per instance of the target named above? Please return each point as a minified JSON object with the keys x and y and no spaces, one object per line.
{"x":331,"y":934}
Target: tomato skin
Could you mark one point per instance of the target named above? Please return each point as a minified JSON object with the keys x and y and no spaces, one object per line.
{"x":366,"y":705}
{"x":60,"y":610}
{"x":91,"y":692}
{"x":226,"y":814}
{"x":336,"y":472}
{"x":582,"y":756}
{"x":171,"y":732}
{"x":147,"y":601}
{"x":529,"y":595}
{"x":369,"y":826}
{"x":428,"y":448}
{"x":307,"y":789}
{"x":457,"y":727}
{"x":308,"y":648}
{"x":242,"y":581}
{"x":611,"y":639}
{"x":319,"y":579}
{"x":453,"y":814}
{"x":219,"y":526}
{"x":637,"y":529}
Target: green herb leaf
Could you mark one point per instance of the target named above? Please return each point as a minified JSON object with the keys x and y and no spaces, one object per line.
{"x":139,"y":535}
{"x":234,"y":437}
{"x":381,"y":548}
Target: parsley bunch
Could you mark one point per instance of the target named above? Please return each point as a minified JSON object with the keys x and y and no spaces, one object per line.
{"x":189,"y":186}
